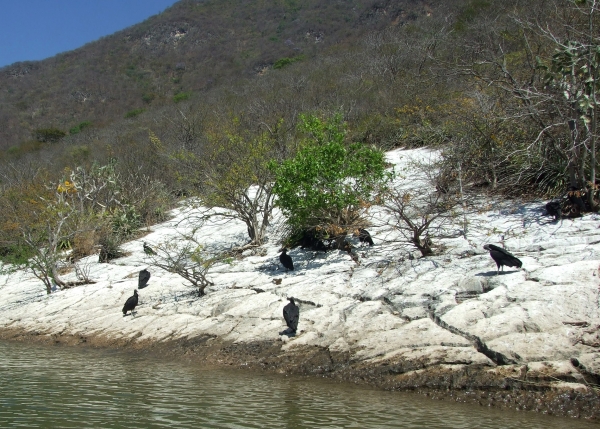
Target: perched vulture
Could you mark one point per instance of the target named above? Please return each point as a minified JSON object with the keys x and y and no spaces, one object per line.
{"x":364,"y":236}
{"x":291,"y":314}
{"x":148,"y":250}
{"x":502,"y":257}
{"x":143,"y":278}
{"x":553,"y":208}
{"x":286,"y":260}
{"x":131,"y":303}
{"x":575,"y":198}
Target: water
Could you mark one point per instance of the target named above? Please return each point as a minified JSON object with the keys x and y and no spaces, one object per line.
{"x":68,"y":387}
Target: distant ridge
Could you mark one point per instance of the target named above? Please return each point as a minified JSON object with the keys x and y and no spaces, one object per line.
{"x":191,"y":47}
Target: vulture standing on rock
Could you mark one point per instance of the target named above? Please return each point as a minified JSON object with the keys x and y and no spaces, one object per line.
{"x":291,"y":314}
{"x":575,"y":198}
{"x":148,"y":250}
{"x":364,"y":236}
{"x":502,"y":257}
{"x":310,"y":240}
{"x":286,"y":260}
{"x":143,"y":278}
{"x":553,"y":208}
{"x":131,"y":303}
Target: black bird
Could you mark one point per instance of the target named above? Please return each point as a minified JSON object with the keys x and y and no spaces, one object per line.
{"x":131,"y":303}
{"x":309,"y":239}
{"x":291,"y":314}
{"x":575,"y":199}
{"x":143,"y":278}
{"x":553,"y":208}
{"x":148,"y":250}
{"x":364,"y":236}
{"x":502,"y":257}
{"x":286,"y":260}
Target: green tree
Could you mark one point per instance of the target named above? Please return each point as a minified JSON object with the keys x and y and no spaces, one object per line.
{"x":49,"y":135}
{"x":80,"y":127}
{"x":329,"y":184}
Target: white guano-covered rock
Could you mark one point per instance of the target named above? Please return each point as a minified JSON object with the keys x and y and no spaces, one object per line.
{"x":438,"y":310}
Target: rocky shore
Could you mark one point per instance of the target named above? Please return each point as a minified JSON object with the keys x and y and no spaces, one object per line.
{"x":517,"y":387}
{"x":447,"y":326}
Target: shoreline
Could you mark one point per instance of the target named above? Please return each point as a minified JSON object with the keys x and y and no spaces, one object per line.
{"x":448,"y":326}
{"x":502,"y":387}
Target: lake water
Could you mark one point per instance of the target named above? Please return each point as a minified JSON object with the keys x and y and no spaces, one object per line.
{"x":69,"y":387}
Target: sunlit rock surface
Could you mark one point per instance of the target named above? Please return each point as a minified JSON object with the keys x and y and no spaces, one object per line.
{"x":450,"y":309}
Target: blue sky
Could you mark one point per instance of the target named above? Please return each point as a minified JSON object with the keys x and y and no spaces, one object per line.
{"x":38,"y":29}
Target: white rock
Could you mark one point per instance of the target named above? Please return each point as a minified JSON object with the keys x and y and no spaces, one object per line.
{"x":386,"y":307}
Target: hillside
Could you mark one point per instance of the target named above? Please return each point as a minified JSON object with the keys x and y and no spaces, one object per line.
{"x":187,"y":50}
{"x":494,"y":83}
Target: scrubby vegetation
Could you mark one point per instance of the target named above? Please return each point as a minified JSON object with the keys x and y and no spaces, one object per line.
{"x":506,"y":90}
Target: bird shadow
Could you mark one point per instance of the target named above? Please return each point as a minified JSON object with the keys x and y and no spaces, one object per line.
{"x":495,"y":273}
{"x":304,"y":260}
{"x":529,"y":213}
{"x":311,"y":260}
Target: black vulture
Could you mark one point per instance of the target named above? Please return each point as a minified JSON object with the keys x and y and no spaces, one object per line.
{"x":310,"y":240}
{"x":502,"y":257}
{"x":364,"y":236}
{"x":131,"y":303}
{"x":575,"y":199}
{"x":143,"y":278}
{"x":148,"y":250}
{"x":553,"y":208}
{"x":286,"y":260}
{"x":291,"y":314}
{"x":320,"y":246}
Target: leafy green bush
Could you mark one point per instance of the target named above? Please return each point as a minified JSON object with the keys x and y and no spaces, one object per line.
{"x":148,"y":97}
{"x":78,"y":153}
{"x":24,"y":148}
{"x":469,"y":13}
{"x":78,"y":128}
{"x":49,"y":135}
{"x":125,"y":221}
{"x":13,"y":150}
{"x":181,"y":96}
{"x":16,"y":254}
{"x":285,"y":61}
{"x":135,"y":112}
{"x":110,"y":246}
{"x":328,"y":184}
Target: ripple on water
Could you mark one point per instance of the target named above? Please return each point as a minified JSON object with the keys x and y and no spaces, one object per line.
{"x":74,"y":388}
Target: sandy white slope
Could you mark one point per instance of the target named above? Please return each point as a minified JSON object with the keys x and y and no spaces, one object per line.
{"x":394,"y":304}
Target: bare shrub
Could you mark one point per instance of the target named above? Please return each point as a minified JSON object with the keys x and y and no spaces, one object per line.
{"x":427,"y":208}
{"x":187,"y":258}
{"x":85,"y":241}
